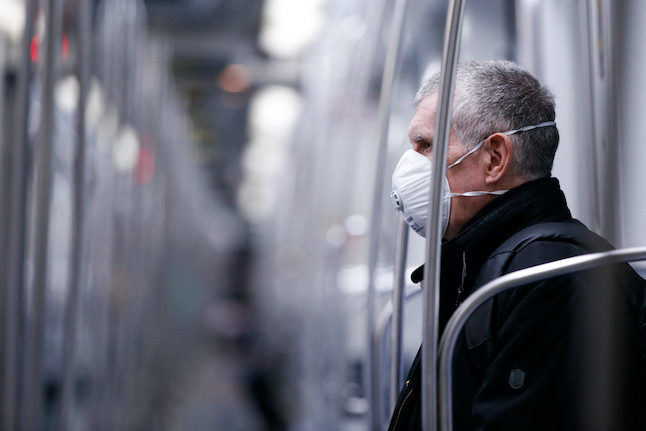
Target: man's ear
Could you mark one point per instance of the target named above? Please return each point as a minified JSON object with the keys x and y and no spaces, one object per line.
{"x":499,"y":150}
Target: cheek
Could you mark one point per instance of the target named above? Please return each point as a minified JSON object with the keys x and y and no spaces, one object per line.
{"x":464,"y":180}
{"x":457,"y":183}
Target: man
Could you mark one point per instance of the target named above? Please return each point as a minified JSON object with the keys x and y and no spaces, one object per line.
{"x":560,"y":354}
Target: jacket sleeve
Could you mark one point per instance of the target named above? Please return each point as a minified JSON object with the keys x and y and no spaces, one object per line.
{"x":551,"y":368}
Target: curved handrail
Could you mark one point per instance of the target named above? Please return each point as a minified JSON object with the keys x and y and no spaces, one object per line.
{"x":433,"y":253}
{"x":499,"y":285}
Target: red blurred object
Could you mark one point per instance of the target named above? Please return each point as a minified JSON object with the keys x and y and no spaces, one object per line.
{"x":145,"y":169}
{"x":35,"y":48}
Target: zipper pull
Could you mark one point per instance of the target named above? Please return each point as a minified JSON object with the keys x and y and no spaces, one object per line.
{"x":458,"y":299}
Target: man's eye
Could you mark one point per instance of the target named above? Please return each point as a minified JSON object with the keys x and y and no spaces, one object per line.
{"x":422,"y":142}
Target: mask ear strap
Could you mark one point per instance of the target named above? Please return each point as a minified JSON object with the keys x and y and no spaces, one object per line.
{"x":509,"y":132}
{"x":479,"y":193}
{"x":532,"y":127}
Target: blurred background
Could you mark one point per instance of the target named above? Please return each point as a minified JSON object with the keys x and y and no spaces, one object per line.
{"x":189,"y":187}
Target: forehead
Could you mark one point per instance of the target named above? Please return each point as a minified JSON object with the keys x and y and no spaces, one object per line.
{"x":423,"y":123}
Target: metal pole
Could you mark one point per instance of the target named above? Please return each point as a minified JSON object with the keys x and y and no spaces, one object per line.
{"x":5,"y":188}
{"x":133,"y":12}
{"x":506,"y":282}
{"x":380,"y":333}
{"x":398,"y":306}
{"x":17,"y":226}
{"x":33,"y":364}
{"x":433,"y":253}
{"x":119,"y":279}
{"x":390,"y":71}
{"x":588,"y":55}
{"x":609,"y":160}
{"x":84,"y":36}
{"x":384,"y":318}
{"x":101,"y":407}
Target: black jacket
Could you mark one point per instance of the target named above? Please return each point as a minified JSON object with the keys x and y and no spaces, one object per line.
{"x":530,"y":359}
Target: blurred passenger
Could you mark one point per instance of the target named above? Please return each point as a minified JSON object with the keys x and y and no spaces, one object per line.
{"x":560,"y":354}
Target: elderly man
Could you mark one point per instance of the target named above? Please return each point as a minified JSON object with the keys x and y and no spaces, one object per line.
{"x":563,"y":353}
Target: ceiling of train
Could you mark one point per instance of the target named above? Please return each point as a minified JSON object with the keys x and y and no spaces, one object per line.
{"x":217,"y":58}
{"x":217,"y":62}
{"x":220,"y":55}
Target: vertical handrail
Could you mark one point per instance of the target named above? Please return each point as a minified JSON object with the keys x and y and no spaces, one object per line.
{"x":42,"y":192}
{"x":499,"y":285}
{"x":78,"y":206}
{"x":386,"y":317}
{"x":101,"y":416}
{"x":398,"y":306}
{"x":380,"y":335}
{"x":602,"y":67}
{"x":5,"y":193}
{"x":590,"y":104}
{"x":390,"y":71}
{"x":15,"y":306}
{"x":5,"y":182}
{"x":433,"y":253}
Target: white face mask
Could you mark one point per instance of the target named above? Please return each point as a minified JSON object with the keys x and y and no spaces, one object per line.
{"x":412,"y":186}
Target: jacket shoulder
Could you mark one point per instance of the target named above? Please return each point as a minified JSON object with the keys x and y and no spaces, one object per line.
{"x":540,"y":243}
{"x":534,"y":245}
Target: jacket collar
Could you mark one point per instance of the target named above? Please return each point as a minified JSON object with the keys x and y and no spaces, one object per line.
{"x":533,"y":202}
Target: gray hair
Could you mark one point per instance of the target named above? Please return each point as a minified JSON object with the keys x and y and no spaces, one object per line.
{"x":496,"y":96}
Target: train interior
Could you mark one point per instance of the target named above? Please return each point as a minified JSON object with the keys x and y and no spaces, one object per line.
{"x":188,"y":196}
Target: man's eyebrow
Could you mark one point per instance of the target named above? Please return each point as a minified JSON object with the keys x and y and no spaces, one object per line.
{"x":420,"y":139}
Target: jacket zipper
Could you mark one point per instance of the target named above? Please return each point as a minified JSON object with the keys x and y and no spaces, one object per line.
{"x":458,"y":299}
{"x":403,"y":403}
